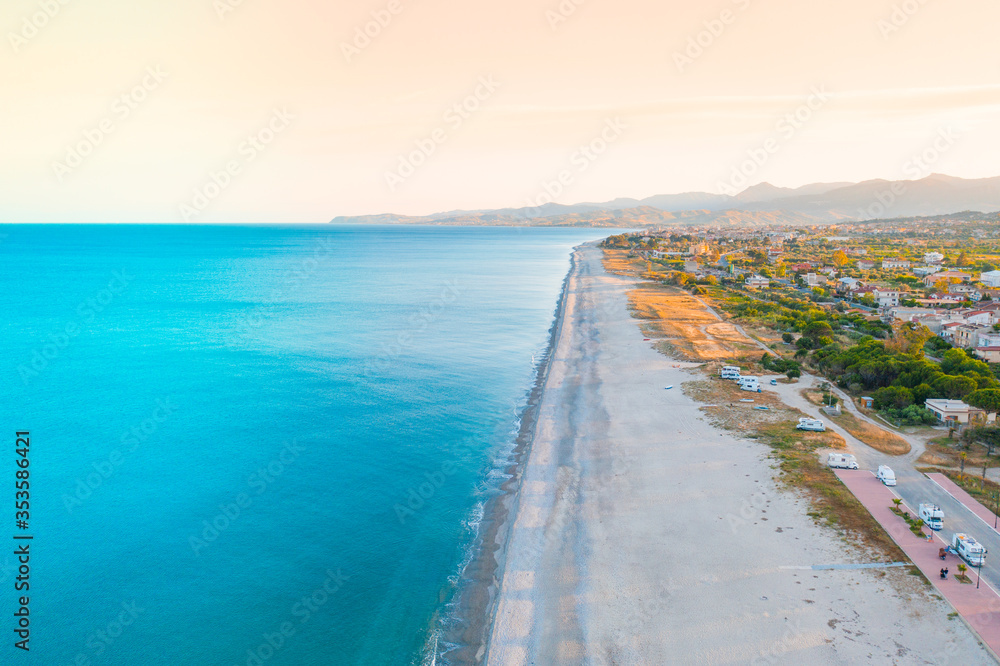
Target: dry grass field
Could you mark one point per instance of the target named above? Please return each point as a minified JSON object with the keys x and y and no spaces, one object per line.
{"x":872,"y":435}
{"x":682,"y":321}
{"x":619,"y":263}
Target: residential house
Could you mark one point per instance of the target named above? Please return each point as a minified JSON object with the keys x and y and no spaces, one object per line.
{"x":923,"y":271}
{"x":865,"y":265}
{"x":893,"y":264}
{"x":967,"y":290}
{"x":757,"y":282}
{"x":989,"y":338}
{"x":690,"y":265}
{"x":813,"y":280}
{"x":907,"y":314}
{"x":948,"y":329}
{"x":952,"y":411}
{"x":989,"y":354}
{"x":933,"y":257}
{"x":846,"y":284}
{"x":947,"y":276}
{"x":979,"y":317}
{"x":886,"y":298}
{"x":990,"y":279}
{"x":966,"y":336}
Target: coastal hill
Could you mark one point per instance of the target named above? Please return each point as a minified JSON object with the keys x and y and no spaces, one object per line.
{"x":759,"y":205}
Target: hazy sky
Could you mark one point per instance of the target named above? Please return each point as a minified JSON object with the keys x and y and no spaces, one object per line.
{"x":116,"y":110}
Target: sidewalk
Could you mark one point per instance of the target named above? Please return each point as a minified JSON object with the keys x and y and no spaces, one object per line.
{"x":979,"y":608}
{"x":965,"y":498}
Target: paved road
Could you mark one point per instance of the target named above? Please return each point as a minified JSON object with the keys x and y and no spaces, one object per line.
{"x":912,"y":486}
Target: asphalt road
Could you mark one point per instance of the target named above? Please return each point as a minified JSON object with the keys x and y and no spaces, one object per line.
{"x":912,"y":486}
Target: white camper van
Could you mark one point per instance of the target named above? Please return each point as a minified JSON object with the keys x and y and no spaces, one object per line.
{"x":750,"y":384}
{"x":969,"y":549}
{"x":814,"y":425}
{"x":842,"y":461}
{"x":886,"y":475}
{"x":932,"y":515}
{"x":730,"y":372}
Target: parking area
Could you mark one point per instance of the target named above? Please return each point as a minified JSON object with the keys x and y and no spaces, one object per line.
{"x":978,"y":607}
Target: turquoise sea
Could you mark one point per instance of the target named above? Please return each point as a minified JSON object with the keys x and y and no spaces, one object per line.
{"x":259,"y":445}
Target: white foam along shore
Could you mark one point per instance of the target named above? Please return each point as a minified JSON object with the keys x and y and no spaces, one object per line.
{"x":643,"y":535}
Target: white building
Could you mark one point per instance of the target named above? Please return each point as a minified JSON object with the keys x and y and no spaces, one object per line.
{"x":951,"y":411}
{"x":923,"y":271}
{"x":933,"y":258}
{"x":990,"y":279}
{"x":890,"y":264}
{"x":886,"y":298}
{"x":757,"y":282}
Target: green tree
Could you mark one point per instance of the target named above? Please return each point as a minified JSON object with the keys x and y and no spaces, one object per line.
{"x":954,"y":387}
{"x":985,"y":399}
{"x":921,"y":392}
{"x":787,"y":338}
{"x":817,"y":330}
{"x":893,"y":397}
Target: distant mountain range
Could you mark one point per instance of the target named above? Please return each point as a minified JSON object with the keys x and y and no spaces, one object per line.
{"x":759,"y":205}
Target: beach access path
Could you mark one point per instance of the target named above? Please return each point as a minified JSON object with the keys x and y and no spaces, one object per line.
{"x":643,"y":535}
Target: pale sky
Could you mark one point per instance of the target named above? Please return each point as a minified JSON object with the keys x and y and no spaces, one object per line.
{"x":333,"y":116}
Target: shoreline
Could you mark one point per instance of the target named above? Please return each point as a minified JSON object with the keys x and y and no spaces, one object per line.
{"x":481,"y":580}
{"x":621,"y":484}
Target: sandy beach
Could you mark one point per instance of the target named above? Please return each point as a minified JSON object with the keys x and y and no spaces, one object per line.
{"x":643,"y":535}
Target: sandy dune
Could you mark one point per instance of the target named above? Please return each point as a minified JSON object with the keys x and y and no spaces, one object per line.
{"x":645,"y":536}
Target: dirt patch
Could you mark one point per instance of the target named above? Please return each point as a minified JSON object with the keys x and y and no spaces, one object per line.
{"x":948,"y":453}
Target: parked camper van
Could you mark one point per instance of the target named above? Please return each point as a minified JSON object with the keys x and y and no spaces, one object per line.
{"x":730,"y":372}
{"x":814,"y":425}
{"x":750,"y":384}
{"x":842,"y":461}
{"x":969,"y":549}
{"x":886,"y":475}
{"x":932,"y":515}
